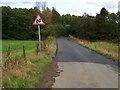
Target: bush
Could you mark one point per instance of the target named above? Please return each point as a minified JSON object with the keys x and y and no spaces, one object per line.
{"x":56,"y":30}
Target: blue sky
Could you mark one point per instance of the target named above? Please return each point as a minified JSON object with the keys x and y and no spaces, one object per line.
{"x":74,"y":7}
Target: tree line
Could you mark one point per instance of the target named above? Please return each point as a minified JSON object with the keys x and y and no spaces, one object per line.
{"x":17,"y":24}
{"x":103,"y":26}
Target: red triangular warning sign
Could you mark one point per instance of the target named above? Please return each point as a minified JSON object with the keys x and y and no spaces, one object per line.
{"x":38,"y":21}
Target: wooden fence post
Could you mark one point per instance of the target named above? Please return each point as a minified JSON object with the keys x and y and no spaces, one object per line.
{"x":24,"y":54}
{"x":7,"y":57}
{"x":8,"y":53}
{"x":37,"y":48}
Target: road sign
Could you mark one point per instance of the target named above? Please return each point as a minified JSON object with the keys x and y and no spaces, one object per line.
{"x":38,"y":21}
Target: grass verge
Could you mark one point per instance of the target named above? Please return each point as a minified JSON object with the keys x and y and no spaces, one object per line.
{"x":105,"y":48}
{"x":27,"y":73}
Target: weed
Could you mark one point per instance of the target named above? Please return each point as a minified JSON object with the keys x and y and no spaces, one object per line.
{"x":21,"y":73}
{"x":103,"y":47}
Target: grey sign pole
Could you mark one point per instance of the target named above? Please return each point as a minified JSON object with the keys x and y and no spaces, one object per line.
{"x":39,"y":38}
{"x":39,"y":22}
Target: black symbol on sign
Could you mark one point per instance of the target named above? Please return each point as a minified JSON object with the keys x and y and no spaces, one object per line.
{"x":38,"y":20}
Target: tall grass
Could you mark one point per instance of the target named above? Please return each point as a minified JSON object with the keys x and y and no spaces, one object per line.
{"x":0,"y":49}
{"x":0,"y":45}
{"x":28,"y":73}
{"x":106,"y":48}
{"x":0,"y":63}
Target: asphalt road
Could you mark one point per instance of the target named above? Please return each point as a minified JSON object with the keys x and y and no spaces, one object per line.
{"x":83,"y":68}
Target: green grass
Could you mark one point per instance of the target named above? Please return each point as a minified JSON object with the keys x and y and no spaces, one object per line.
{"x":105,"y":48}
{"x":28,"y":74}
{"x":30,"y":78}
{"x":16,"y":45}
{"x":0,"y":46}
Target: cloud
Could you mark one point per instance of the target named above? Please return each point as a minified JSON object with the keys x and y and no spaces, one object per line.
{"x":91,"y":3}
{"x":15,"y":1}
{"x":119,"y":6}
{"x":27,"y":2}
{"x":110,"y":5}
{"x":77,"y":7}
{"x":18,"y":2}
{"x":75,"y":11}
{"x":7,"y":3}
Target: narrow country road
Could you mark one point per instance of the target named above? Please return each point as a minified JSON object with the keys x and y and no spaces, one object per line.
{"x":83,"y":68}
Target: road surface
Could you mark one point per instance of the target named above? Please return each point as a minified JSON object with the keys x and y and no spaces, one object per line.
{"x":83,"y":68}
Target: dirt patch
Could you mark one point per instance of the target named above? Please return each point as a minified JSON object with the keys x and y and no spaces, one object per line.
{"x":49,"y":76}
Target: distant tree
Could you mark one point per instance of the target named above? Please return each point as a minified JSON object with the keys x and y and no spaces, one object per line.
{"x":102,"y":30}
{"x":44,"y":5}
{"x":104,"y":12}
{"x":38,"y":5}
{"x":56,"y":30}
{"x":47,"y":15}
{"x":113,"y":25}
{"x":17,"y":23}
{"x":56,"y":18}
{"x":6,"y":14}
{"x":118,"y":26}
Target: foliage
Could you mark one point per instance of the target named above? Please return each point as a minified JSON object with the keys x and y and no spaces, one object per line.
{"x":103,"y":26}
{"x":47,"y":16}
{"x":108,"y":49}
{"x":56,"y":18}
{"x":21,"y":74}
{"x":56,"y":30}
{"x":17,"y":24}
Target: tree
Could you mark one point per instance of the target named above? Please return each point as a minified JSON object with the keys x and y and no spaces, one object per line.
{"x":113,"y":25}
{"x":102,"y":25}
{"x":47,"y":14}
{"x":44,"y":5}
{"x":56,"y":30}
{"x":17,"y":23}
{"x":104,"y":12}
{"x":56,"y":18}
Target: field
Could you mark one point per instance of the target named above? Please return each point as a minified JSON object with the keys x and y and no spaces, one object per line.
{"x":105,"y":48}
{"x":19,"y":72}
{"x":16,"y":47}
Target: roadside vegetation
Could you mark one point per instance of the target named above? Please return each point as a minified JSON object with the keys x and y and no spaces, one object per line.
{"x":0,"y":46}
{"x":26,"y":73}
{"x":0,"y":63}
{"x":106,"y":48}
{"x":23,"y":66}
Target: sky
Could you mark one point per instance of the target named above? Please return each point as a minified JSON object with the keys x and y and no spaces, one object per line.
{"x":73,"y":7}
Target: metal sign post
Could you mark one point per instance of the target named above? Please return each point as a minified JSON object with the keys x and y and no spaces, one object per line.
{"x":39,"y":22}
{"x":39,"y":38}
